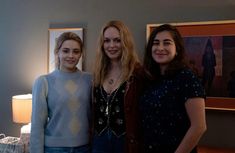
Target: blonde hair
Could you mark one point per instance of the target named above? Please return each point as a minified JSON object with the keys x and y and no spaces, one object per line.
{"x":59,"y":42}
{"x":128,"y":59}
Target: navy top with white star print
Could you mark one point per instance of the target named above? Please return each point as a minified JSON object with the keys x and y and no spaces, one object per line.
{"x":164,"y":117}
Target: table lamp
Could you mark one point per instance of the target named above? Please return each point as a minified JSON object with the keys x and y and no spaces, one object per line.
{"x":22,"y":108}
{"x":21,"y":112}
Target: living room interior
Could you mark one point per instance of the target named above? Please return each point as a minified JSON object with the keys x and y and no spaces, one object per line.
{"x":24,"y":35}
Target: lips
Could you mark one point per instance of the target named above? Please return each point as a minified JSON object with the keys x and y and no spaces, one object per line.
{"x":160,"y":54}
{"x":112,"y":51}
{"x":70,"y":61}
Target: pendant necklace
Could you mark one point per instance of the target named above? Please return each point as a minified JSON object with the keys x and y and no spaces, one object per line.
{"x":111,"y":81}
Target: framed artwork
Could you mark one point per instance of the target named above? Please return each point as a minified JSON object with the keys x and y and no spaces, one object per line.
{"x":210,"y":50}
{"x":53,"y":35}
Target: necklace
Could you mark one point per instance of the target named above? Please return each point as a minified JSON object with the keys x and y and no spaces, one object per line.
{"x":109,"y":99}
{"x":110,"y":81}
{"x":112,"y":84}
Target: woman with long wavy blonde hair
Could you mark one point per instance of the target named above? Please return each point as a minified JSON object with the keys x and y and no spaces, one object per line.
{"x":116,"y":73}
{"x":128,"y":58}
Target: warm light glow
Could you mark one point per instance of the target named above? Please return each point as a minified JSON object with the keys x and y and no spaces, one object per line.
{"x":22,"y":108}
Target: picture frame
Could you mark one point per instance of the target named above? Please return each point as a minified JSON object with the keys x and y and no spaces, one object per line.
{"x":221,"y":35}
{"x":54,"y":33}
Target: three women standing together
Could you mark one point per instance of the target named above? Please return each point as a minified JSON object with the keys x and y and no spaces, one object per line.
{"x":157,"y":108}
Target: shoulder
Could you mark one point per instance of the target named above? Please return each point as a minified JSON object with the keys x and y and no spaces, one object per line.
{"x":138,"y":71}
{"x":86,"y":76}
{"x":187,"y":76}
{"x":189,"y":82}
{"x":41,"y":82}
{"x":51,"y":75}
{"x":187,"y":73}
{"x":141,"y":75}
{"x":41,"y":78}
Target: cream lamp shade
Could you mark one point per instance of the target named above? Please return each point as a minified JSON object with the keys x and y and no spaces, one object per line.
{"x":22,"y":108}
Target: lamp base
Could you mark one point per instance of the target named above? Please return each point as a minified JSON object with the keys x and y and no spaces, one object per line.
{"x":25,"y":136}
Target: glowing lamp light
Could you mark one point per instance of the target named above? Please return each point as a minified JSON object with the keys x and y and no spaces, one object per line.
{"x":22,"y":108}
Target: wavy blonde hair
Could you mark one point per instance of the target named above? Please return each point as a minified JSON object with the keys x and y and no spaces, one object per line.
{"x":128,"y":58}
{"x":59,"y":42}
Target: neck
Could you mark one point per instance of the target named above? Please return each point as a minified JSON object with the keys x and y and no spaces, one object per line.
{"x":115,"y":65}
{"x":163,"y":69}
{"x":113,"y":78}
{"x":69,"y":70}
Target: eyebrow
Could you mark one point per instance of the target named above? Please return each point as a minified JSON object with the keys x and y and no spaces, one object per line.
{"x":111,"y":38}
{"x":72,"y":48}
{"x":164,"y":40}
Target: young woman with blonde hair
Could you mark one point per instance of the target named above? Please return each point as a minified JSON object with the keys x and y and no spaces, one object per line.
{"x":61,"y":102}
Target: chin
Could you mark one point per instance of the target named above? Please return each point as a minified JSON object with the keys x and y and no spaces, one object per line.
{"x":71,"y":67}
{"x":114,"y":57}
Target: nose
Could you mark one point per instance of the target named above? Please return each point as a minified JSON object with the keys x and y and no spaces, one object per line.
{"x":112,"y":44}
{"x":70,"y":54}
{"x":160,"y":46}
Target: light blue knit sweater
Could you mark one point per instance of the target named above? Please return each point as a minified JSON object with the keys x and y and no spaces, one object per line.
{"x":61,"y":110}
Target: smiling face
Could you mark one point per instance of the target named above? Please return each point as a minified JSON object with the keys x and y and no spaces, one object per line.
{"x":112,"y":43}
{"x":163,"y":49}
{"x":69,"y":55}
